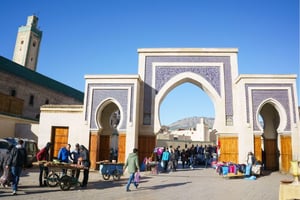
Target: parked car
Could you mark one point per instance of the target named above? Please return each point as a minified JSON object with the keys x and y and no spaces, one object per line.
{"x":4,"y":144}
{"x":29,"y":145}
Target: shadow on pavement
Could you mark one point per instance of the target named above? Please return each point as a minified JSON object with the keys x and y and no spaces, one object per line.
{"x":162,"y":186}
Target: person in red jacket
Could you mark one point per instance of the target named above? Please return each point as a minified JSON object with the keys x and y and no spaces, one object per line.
{"x":43,"y":155}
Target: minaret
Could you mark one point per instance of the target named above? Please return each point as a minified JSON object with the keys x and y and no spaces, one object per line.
{"x":28,"y":44}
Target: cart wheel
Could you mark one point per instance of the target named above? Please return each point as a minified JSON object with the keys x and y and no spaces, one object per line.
{"x":116,"y":175}
{"x":52,"y":179}
{"x":106,"y":176}
{"x":65,"y":183}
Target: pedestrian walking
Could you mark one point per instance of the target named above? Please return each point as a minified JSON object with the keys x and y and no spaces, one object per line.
{"x":132,"y":163}
{"x":16,"y":161}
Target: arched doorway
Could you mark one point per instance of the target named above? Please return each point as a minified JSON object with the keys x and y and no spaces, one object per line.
{"x":270,"y":151}
{"x":186,"y":77}
{"x":108,"y":119}
{"x":191,"y":104}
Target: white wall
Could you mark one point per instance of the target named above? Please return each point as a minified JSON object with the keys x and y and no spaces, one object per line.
{"x":9,"y":127}
{"x":63,"y":116}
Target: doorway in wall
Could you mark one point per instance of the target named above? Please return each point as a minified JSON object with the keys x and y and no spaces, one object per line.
{"x":270,"y":120}
{"x":59,"y":138}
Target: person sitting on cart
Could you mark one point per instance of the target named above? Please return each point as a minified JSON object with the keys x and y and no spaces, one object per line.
{"x":64,"y":155}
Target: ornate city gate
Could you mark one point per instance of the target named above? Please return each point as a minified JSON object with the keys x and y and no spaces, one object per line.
{"x":240,"y":101}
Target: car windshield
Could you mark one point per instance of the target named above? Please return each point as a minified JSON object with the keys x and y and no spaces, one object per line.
{"x":4,"y":145}
{"x":11,"y":140}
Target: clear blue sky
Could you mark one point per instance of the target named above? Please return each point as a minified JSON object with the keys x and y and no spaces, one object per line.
{"x":102,"y":37}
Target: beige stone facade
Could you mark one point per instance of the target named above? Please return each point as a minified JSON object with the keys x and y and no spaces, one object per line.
{"x":240,"y":101}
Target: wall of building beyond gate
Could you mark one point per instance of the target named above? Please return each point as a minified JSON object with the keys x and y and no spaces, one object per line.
{"x":70,"y":116}
{"x":10,"y":127}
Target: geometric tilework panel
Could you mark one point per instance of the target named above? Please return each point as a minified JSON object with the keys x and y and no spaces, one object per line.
{"x":121,"y":95}
{"x":280,"y":95}
{"x":211,"y":74}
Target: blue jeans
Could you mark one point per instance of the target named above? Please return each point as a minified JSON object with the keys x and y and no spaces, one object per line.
{"x":16,"y":172}
{"x":130,"y":180}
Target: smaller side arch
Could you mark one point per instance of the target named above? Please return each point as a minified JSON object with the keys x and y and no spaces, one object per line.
{"x":102,"y":105}
{"x":177,"y":80}
{"x":279,"y":108}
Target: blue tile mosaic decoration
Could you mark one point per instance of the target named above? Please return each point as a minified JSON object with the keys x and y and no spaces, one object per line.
{"x":260,"y":94}
{"x":165,"y":73}
{"x":100,"y":93}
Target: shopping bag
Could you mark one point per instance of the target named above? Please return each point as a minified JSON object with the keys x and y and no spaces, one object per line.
{"x":162,"y":164}
{"x":225,"y":170}
{"x":248,"y":170}
{"x":6,"y":177}
{"x":137,"y":177}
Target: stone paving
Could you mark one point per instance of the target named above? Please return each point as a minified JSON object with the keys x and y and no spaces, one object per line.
{"x":199,"y":183}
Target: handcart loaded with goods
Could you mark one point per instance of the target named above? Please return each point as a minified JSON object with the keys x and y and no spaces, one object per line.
{"x":56,"y":175}
{"x":107,"y":169}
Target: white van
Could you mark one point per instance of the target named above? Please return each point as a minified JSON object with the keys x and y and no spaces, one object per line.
{"x":29,"y":145}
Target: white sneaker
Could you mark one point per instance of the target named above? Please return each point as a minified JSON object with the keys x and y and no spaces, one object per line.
{"x":14,"y":192}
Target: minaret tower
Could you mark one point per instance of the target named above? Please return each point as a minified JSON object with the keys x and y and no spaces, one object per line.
{"x":28,"y":44}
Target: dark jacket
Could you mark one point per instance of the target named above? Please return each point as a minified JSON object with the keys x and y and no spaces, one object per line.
{"x":84,"y":154}
{"x":17,"y":157}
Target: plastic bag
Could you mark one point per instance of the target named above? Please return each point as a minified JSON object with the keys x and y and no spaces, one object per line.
{"x":162,"y":164}
{"x":137,"y":177}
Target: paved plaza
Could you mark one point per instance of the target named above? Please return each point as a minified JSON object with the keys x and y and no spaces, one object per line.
{"x":199,"y":183}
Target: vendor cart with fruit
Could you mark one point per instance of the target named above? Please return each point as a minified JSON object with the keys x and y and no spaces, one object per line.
{"x":60,"y":174}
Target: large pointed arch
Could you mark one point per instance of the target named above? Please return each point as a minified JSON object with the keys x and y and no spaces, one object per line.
{"x":178,"y":80}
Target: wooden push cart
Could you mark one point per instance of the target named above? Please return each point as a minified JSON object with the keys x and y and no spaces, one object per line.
{"x":57,"y":177}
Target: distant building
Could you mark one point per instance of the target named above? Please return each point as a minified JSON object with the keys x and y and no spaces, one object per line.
{"x":23,"y":90}
{"x":202,"y":133}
